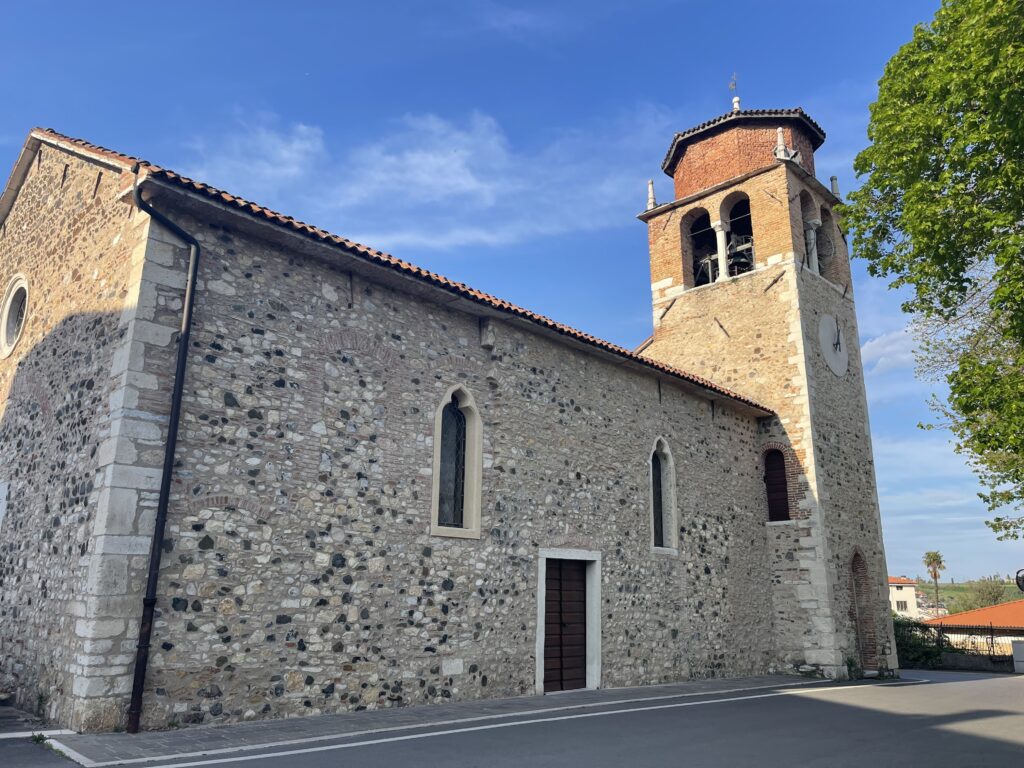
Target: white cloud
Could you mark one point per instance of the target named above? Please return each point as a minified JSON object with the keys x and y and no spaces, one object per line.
{"x":928,"y":498}
{"x":257,"y":158}
{"x":890,"y":351}
{"x":492,"y":16}
{"x":925,"y":455}
{"x":432,"y":182}
{"x":430,"y":160}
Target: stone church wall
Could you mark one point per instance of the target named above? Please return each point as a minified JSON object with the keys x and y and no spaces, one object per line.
{"x":744,"y":335}
{"x":72,"y":239}
{"x":299,"y":575}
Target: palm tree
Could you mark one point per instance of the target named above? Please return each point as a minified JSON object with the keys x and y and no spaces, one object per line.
{"x":934,"y":563}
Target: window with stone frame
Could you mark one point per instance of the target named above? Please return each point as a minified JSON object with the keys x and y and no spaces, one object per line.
{"x":452,"y":481}
{"x":663,"y":499}
{"x":13,"y":313}
{"x":458,"y":466}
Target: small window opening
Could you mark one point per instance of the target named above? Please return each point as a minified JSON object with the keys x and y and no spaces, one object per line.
{"x":826,"y":244}
{"x":704,"y":247}
{"x":658,"y":500}
{"x":775,"y":486}
{"x":741,"y":238}
{"x":451,"y":497}
{"x":663,"y":501}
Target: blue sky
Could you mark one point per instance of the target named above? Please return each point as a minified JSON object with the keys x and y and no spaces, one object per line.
{"x":507,"y":145}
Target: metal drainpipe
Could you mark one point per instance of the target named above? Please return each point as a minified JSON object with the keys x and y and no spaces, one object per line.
{"x":157,"y":543}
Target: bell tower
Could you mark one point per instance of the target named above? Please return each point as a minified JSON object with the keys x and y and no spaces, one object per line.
{"x":751,"y":288}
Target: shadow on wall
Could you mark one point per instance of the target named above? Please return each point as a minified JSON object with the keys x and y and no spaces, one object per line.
{"x":55,"y":399}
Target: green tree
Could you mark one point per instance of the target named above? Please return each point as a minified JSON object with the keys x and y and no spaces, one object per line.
{"x":980,"y":593}
{"x":941,"y":211}
{"x":934,"y":563}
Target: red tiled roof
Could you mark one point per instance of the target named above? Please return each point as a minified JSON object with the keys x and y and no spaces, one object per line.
{"x":1003,"y":615}
{"x":901,"y":580}
{"x":378,"y":257}
{"x":742,"y":115}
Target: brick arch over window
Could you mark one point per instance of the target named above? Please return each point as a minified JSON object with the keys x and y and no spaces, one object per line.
{"x":796,"y":485}
{"x":862,"y":612}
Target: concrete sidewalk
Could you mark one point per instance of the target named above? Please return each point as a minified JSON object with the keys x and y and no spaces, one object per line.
{"x":109,"y":749}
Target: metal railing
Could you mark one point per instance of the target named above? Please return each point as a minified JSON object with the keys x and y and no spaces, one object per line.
{"x":980,"y":640}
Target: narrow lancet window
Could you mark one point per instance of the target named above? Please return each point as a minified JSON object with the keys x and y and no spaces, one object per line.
{"x":741,"y":238}
{"x":775,"y":486}
{"x":451,"y":497}
{"x":704,"y":250}
{"x":658,"y":500}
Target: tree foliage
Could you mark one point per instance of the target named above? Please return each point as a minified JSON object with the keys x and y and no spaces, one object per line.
{"x":941,"y":210}
{"x":980,"y":593}
{"x":935,"y":564}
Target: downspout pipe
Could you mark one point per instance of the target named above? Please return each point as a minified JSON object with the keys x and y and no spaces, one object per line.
{"x":157,"y":543}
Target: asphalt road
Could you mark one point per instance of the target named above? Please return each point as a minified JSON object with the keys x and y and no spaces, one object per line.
{"x":955,"y":719}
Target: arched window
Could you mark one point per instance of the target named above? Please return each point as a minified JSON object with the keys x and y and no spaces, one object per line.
{"x":862,"y":612}
{"x":811,"y":225}
{"x":741,"y":237}
{"x":826,"y":244}
{"x":663,"y":505}
{"x":775,"y":486}
{"x":658,"y":501}
{"x":458,"y":466}
{"x":703,"y":249}
{"x":452,"y":482}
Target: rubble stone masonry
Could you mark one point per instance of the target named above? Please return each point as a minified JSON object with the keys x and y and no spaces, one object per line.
{"x":76,"y":243}
{"x":299,"y":574}
{"x":758,"y":333}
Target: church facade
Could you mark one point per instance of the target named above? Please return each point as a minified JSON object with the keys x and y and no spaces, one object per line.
{"x":344,"y":482}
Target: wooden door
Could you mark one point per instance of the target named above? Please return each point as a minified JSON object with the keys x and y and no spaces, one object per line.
{"x":565,"y":625}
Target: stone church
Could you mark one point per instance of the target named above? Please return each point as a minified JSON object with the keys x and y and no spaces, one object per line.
{"x":251,"y":469}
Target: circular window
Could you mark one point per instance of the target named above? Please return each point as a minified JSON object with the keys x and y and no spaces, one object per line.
{"x":15,"y":309}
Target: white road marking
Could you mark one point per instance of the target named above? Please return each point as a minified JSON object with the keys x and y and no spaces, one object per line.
{"x":492,"y":726}
{"x":89,"y":763}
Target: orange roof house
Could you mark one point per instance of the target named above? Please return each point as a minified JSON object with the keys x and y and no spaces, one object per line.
{"x":901,"y":580}
{"x":1003,"y":615}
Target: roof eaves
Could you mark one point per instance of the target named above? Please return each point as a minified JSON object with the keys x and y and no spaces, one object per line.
{"x":379,"y":257}
{"x":796,"y":113}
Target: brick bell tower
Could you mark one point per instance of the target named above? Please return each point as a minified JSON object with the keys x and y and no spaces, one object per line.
{"x":751,"y":288}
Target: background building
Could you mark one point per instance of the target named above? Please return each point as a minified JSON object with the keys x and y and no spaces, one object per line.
{"x":903,"y":597}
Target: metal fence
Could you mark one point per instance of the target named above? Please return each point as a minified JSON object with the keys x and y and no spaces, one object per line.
{"x":976,"y":640}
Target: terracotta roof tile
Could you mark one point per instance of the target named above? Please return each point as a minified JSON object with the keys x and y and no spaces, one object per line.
{"x":384,"y":259}
{"x":743,"y":115}
{"x":901,"y":580}
{"x":1009,"y":614}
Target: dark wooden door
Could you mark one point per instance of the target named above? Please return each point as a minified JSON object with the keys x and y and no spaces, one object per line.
{"x":565,"y":625}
